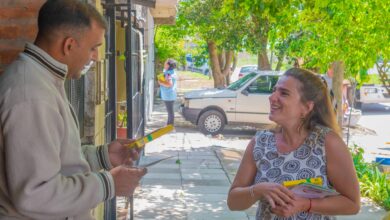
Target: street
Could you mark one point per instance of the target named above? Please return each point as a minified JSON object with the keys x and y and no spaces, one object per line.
{"x":374,"y":137}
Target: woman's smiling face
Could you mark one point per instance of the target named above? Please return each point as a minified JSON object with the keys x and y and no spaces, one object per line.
{"x":285,"y":101}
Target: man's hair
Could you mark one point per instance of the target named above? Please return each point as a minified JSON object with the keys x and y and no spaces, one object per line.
{"x":67,"y":14}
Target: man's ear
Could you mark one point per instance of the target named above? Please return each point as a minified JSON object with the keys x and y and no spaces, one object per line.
{"x":68,"y":45}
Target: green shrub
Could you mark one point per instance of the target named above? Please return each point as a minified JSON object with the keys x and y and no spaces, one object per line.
{"x":373,"y":183}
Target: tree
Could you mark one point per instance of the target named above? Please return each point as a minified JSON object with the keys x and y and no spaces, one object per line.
{"x":169,"y":44}
{"x":264,"y":17}
{"x":221,"y":30}
{"x":383,"y":69}
{"x":351,"y":34}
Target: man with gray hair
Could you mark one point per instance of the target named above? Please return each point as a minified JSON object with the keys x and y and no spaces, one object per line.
{"x":45,"y":173}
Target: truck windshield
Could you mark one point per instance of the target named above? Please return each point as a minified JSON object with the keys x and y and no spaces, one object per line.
{"x":239,"y":83}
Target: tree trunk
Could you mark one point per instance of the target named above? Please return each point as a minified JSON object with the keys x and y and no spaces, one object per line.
{"x":227,"y":79}
{"x":234,"y":65}
{"x":382,"y":72}
{"x":337,"y":83}
{"x":262,"y":59}
{"x":280,"y":58}
{"x":227,"y":69}
{"x":235,"y":59}
{"x":221,"y":59}
{"x":220,"y":72}
{"x":215,"y":67}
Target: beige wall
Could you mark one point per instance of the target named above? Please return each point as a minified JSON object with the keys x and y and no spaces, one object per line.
{"x":120,"y":63}
{"x":99,"y":122}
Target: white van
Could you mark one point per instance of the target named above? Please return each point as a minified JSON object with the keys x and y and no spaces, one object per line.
{"x":370,"y":93}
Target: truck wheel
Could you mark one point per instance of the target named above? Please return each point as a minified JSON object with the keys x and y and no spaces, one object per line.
{"x":211,"y":122}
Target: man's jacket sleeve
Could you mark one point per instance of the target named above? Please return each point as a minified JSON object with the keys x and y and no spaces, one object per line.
{"x":97,"y":157}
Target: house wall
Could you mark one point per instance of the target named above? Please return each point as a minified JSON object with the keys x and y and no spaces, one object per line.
{"x":120,"y":63}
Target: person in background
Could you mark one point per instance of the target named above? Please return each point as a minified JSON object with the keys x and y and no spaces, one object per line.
{"x":344,"y":92}
{"x":328,"y":76}
{"x":168,"y":88}
{"x":45,"y":172}
{"x":305,"y":143}
{"x":328,"y":81}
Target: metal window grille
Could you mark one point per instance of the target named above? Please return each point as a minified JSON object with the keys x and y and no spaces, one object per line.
{"x":76,"y":94}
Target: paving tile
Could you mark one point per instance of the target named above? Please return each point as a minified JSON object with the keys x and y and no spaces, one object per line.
{"x":154,"y":169}
{"x":162,"y":182}
{"x":205,"y":190}
{"x":200,"y":197}
{"x":199,"y":176}
{"x":202,"y":182}
{"x":203,"y":171}
{"x":162,"y":176}
{"x":217,"y":215}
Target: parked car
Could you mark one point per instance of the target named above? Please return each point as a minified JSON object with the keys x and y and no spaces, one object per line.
{"x":244,"y":102}
{"x":239,"y":72}
{"x":204,"y":68}
{"x":246,"y":69}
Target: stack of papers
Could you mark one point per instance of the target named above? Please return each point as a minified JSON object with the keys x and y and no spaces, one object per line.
{"x":312,"y":191}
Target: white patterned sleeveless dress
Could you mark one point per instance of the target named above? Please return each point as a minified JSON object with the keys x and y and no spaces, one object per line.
{"x":307,"y":161}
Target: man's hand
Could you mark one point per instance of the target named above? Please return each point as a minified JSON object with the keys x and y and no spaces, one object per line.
{"x":126,"y":179}
{"x":120,"y":154}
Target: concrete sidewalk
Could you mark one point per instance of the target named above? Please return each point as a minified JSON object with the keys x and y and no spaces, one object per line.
{"x":195,"y":182}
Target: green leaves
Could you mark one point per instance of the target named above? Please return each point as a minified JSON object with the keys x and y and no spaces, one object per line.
{"x":355,"y":32}
{"x":346,"y":31}
{"x":169,"y":43}
{"x":373,"y":183}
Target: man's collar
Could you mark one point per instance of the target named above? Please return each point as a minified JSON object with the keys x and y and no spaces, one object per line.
{"x":53,"y":66}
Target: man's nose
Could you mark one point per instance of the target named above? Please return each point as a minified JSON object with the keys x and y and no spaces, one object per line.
{"x":94,"y":56}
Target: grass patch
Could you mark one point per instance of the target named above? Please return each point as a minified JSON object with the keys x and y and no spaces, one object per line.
{"x":193,"y":75}
{"x":247,"y":60}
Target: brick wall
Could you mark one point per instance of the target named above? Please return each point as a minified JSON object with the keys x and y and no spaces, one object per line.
{"x":18,"y":24}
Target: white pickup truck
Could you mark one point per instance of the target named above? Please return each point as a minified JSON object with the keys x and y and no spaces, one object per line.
{"x":370,"y":93}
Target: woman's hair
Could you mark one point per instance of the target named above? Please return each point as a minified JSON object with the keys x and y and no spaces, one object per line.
{"x":313,"y":89}
{"x":171,"y":63}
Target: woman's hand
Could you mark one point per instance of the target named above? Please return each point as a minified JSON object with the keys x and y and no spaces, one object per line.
{"x":297,"y":205}
{"x":274,"y":193}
